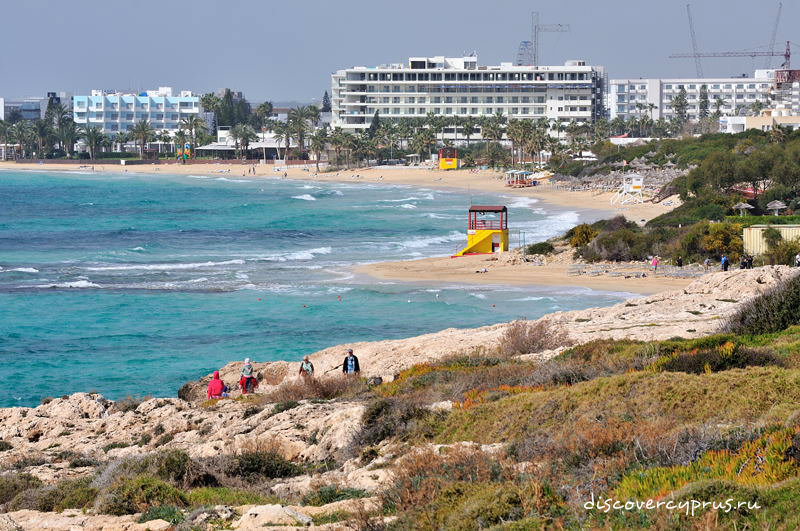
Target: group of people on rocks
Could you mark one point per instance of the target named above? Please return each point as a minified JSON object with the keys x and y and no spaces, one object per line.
{"x":248,"y":380}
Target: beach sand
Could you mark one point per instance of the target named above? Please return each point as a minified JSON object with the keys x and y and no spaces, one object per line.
{"x":463,"y":270}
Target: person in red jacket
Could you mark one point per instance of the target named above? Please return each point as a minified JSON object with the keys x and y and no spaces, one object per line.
{"x":216,"y":387}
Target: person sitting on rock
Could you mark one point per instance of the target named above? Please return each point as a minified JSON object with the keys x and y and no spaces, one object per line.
{"x":306,"y":368}
{"x":350,"y":364}
{"x":216,"y":387}
{"x":248,"y":381}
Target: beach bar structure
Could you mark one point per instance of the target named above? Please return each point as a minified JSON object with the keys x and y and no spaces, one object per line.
{"x":519,"y":179}
{"x":753,"y":236}
{"x":487,"y":230}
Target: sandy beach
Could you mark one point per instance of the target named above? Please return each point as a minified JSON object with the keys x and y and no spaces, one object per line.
{"x":464,"y":270}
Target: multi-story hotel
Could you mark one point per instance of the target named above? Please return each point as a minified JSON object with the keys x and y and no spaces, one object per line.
{"x":460,"y":87}
{"x":115,"y":111}
{"x":653,"y":97}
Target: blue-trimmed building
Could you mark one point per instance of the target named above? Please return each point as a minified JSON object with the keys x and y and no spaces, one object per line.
{"x":115,"y":112}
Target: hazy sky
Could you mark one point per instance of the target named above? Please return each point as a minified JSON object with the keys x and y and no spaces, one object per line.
{"x":286,"y":50}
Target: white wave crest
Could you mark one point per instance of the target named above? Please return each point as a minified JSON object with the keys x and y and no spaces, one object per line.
{"x":22,"y":270}
{"x":307,"y":254}
{"x":408,"y":205}
{"x":305,"y":197}
{"x":427,"y":241}
{"x":163,"y":267}
{"x":76,"y":284}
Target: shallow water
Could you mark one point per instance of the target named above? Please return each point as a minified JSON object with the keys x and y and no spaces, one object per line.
{"x":129,"y":284}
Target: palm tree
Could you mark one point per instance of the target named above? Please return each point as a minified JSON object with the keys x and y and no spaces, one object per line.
{"x":120,"y":139}
{"x":301,"y":119}
{"x":468,"y":127}
{"x":263,"y":113}
{"x":68,"y":134}
{"x":143,"y":133}
{"x":4,"y":129}
{"x":164,"y":138}
{"x":43,"y":131}
{"x":337,"y":141}
{"x":94,"y":137}
{"x":194,"y":124}
{"x":210,"y":102}
{"x":23,"y":134}
{"x":319,"y":140}
{"x":423,"y":141}
{"x":282,"y":134}
{"x":242,"y":135}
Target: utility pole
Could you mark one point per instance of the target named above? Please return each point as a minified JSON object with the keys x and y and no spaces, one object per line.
{"x":537,"y":28}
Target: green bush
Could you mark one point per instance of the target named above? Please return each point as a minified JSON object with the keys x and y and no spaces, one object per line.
{"x":540,"y":248}
{"x":772,"y":311}
{"x":119,"y":444}
{"x":66,"y":494}
{"x":204,"y":496}
{"x":168,"y":513}
{"x":254,"y":465}
{"x":582,"y":235}
{"x":135,"y":495}
{"x":385,"y":418}
{"x":332,"y":493}
{"x":172,"y":465}
{"x":13,"y":484}
{"x":5,"y":445}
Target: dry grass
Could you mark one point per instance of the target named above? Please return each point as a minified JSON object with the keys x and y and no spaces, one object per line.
{"x":529,"y":337}
{"x":325,"y":388}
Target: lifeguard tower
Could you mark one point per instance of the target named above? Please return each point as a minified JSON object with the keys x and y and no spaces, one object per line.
{"x":448,"y":158}
{"x":487,"y":230}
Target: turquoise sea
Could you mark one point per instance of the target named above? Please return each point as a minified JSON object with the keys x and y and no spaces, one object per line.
{"x":133,"y":284}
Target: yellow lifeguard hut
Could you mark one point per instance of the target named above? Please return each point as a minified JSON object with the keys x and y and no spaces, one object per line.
{"x":448,"y":158}
{"x":487,"y":230}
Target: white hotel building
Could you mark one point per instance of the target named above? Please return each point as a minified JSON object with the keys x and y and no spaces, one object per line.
{"x":627,"y":96}
{"x":113,"y":111}
{"x":460,"y":87}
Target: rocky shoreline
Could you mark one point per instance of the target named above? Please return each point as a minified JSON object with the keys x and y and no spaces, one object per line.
{"x":67,"y":437}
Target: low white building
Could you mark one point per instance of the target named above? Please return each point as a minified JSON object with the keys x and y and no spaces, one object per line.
{"x":460,"y":87}
{"x":653,"y":96}
{"x":114,"y":111}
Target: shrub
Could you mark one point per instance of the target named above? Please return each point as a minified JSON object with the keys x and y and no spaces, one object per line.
{"x":526,"y":337}
{"x":168,"y":513}
{"x":384,"y":418}
{"x":332,"y":493}
{"x":13,"y":484}
{"x":204,"y":496}
{"x":582,"y":235}
{"x":5,"y":445}
{"x":540,"y":248}
{"x":119,"y":444}
{"x":129,"y":403}
{"x":66,"y":494}
{"x":252,"y":465}
{"x":772,"y":311}
{"x":135,"y":495}
{"x":325,"y":388}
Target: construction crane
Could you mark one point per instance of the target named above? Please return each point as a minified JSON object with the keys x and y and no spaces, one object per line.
{"x":696,"y":54}
{"x":525,"y":54}
{"x":787,"y":55}
{"x":774,"y":34}
{"x":537,"y":28}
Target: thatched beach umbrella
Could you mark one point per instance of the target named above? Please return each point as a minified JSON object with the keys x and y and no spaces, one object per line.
{"x":741,"y":207}
{"x":777,"y":206}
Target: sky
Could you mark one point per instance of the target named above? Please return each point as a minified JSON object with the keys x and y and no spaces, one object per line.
{"x":286,"y":51}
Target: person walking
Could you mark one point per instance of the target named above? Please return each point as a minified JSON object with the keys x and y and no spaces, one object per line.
{"x":306,"y":368}
{"x":707,"y":263}
{"x":350,"y":364}
{"x":654,"y":263}
{"x":724,"y":263}
{"x":248,"y":381}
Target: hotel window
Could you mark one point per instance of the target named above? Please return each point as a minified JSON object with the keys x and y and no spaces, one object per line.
{"x":740,"y":85}
{"x":514,"y":110}
{"x":421,"y":100}
{"x":514,"y":99}
{"x":728,"y":86}
{"x":489,"y":99}
{"x":538,"y":110}
{"x":487,"y":110}
{"x":525,"y":110}
{"x":526,"y":99}
{"x":692,"y":87}
{"x":751,"y":86}
{"x":448,"y":110}
{"x":448,"y":99}
{"x":420,"y":111}
{"x":437,"y":99}
{"x":395,"y":111}
{"x":668,"y":87}
{"x":462,"y":110}
{"x":473,"y":99}
{"x":473,"y":110}
{"x":462,"y":99}
{"x":499,"y":99}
